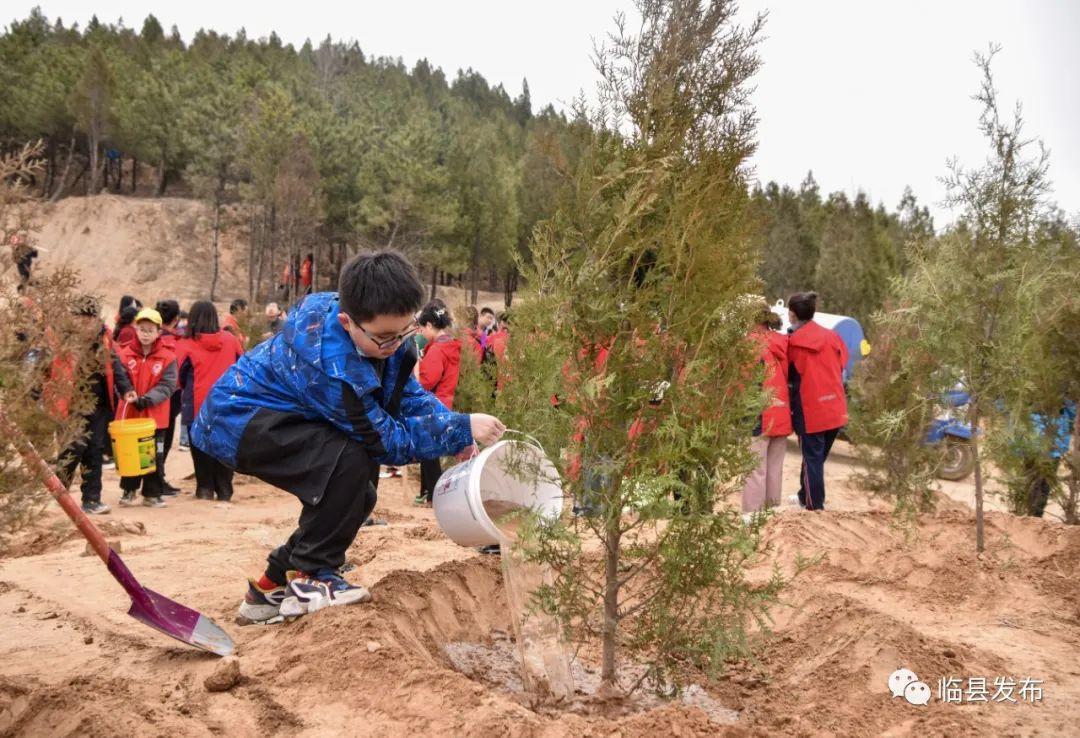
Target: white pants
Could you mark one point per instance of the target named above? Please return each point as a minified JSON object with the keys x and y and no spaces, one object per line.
{"x":763,"y":484}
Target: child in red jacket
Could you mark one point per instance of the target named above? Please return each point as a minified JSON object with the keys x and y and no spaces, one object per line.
{"x":818,"y":403}
{"x":774,"y":424}
{"x":439,"y":371}
{"x":147,"y":385}
{"x":203,"y":356}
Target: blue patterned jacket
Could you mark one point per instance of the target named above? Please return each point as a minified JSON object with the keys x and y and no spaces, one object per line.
{"x":313,"y":369}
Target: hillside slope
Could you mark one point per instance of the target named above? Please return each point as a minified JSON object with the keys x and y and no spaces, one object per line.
{"x":150,"y":248}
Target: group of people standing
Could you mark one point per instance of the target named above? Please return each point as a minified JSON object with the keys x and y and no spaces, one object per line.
{"x":804,"y":377}
{"x":157,"y":363}
{"x":439,"y":369}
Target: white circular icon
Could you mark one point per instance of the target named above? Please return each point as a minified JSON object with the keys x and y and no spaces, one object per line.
{"x":899,"y":680}
{"x":917,"y":693}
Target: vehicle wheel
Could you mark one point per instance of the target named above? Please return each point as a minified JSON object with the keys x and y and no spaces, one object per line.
{"x":959,"y":460}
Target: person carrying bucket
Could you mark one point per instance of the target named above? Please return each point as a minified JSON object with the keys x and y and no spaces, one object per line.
{"x":147,"y":384}
{"x":439,"y":372}
{"x":314,"y":411}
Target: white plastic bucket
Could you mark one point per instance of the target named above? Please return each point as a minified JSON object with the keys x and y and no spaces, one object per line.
{"x":495,"y":475}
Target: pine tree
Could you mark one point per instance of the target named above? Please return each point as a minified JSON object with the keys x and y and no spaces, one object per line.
{"x":635,"y":323}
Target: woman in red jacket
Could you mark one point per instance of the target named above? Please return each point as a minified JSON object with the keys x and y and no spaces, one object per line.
{"x":439,"y":371}
{"x":204,"y":355}
{"x":818,"y":403}
{"x":774,"y":424}
{"x":147,"y":385}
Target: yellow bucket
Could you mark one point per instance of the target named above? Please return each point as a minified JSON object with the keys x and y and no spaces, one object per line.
{"x":134,"y":448}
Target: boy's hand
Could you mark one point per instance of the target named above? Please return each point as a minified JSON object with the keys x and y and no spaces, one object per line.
{"x":142,"y":402}
{"x":131,"y":397}
{"x":486,"y":429}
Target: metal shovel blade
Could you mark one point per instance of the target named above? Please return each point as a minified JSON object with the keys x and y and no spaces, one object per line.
{"x":168,"y":616}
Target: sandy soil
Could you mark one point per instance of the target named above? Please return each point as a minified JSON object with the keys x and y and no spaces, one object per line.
{"x":73,"y":663}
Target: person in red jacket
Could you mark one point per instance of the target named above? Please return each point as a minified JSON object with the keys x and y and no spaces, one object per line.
{"x":439,"y":371}
{"x":147,"y":384}
{"x":169,"y":310}
{"x":88,"y":450}
{"x":307,"y":270}
{"x":774,"y":424}
{"x":237,"y":309}
{"x":124,"y":330}
{"x":472,"y":335}
{"x":817,"y":358}
{"x":203,"y":356}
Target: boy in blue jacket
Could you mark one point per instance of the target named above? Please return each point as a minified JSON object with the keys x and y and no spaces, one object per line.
{"x":316,"y":409}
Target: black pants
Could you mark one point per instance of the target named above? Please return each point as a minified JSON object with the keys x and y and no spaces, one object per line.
{"x":88,"y":453}
{"x":332,"y":476}
{"x":327,"y":528}
{"x":430,"y":471}
{"x":170,"y":432}
{"x":151,"y":484}
{"x":815,"y":450}
{"x":212,"y":475}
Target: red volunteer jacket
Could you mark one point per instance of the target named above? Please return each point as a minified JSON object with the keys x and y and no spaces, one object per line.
{"x":210,"y":355}
{"x":819,"y":356}
{"x":776,"y":418}
{"x":441,"y":367}
{"x":152,"y":376}
{"x":472,"y":340}
{"x":229,"y":323}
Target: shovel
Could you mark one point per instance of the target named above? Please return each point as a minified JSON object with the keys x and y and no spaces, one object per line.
{"x":147,"y":606}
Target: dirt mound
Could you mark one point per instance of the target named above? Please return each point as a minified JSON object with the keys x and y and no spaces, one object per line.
{"x":876,"y":598}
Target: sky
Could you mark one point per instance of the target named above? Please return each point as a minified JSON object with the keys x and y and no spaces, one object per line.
{"x":870,"y":96}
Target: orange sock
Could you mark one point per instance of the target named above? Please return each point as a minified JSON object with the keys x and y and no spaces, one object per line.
{"x":265,"y":583}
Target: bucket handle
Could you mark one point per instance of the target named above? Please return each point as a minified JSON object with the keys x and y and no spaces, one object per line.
{"x":476,"y":446}
{"x":124,"y":405}
{"x":526,"y":435}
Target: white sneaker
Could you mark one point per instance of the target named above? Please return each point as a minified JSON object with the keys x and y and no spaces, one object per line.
{"x":307,"y":593}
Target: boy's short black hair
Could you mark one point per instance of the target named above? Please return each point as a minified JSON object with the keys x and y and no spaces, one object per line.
{"x":169,"y":310}
{"x":237,"y":305}
{"x":487,"y":311}
{"x":379,"y":283}
{"x":803,"y":304}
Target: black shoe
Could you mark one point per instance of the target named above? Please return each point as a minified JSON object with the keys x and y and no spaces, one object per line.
{"x":167,"y":490}
{"x":204,"y":494}
{"x":492,"y":549}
